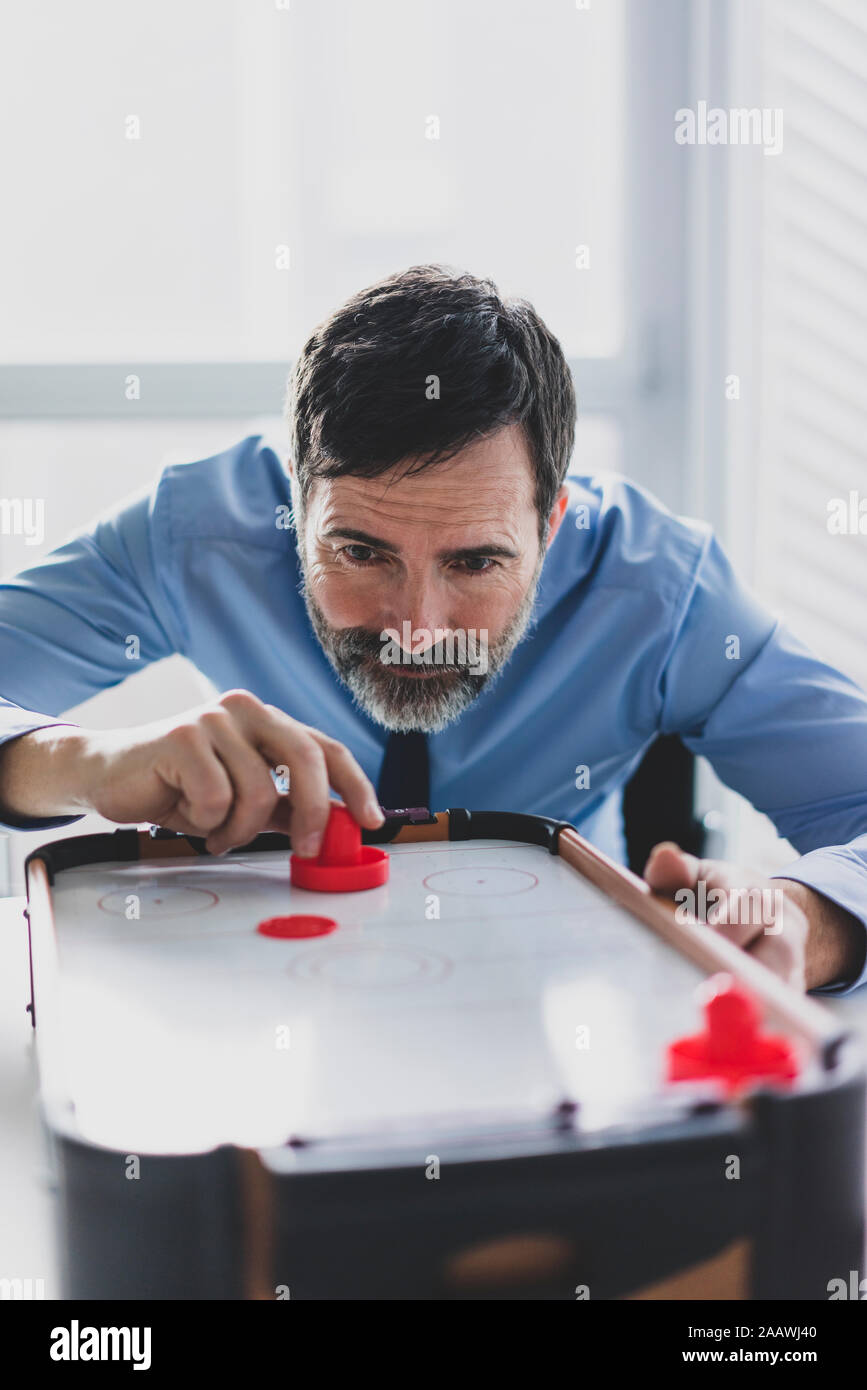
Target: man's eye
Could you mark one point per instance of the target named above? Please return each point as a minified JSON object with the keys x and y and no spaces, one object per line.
{"x":359,"y":554}
{"x":478,"y":564}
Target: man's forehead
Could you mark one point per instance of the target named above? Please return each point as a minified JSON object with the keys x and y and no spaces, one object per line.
{"x":368,"y":508}
{"x":490,"y":480}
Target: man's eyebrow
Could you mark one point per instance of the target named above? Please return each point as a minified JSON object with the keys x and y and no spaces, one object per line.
{"x":472,"y":552}
{"x":466,"y":552}
{"x":348,"y":533}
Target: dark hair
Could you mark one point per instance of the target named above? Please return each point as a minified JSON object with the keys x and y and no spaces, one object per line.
{"x":358,"y":398}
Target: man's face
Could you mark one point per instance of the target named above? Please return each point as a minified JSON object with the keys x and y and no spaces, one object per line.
{"x":420,"y":587}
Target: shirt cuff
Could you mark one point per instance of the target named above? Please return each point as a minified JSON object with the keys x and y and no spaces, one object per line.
{"x":839,"y":874}
{"x":24,"y":722}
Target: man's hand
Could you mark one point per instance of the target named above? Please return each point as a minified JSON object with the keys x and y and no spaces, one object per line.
{"x":795,"y":931}
{"x":206,"y":772}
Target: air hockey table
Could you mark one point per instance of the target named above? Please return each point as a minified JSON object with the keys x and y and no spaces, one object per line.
{"x":458,"y":1093}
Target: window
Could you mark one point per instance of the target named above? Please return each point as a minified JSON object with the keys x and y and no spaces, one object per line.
{"x":205,"y":181}
{"x":195,"y":186}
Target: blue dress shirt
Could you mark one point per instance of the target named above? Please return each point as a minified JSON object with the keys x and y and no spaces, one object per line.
{"x":633,"y":636}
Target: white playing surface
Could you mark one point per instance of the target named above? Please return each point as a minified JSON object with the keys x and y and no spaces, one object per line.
{"x":183,"y":1027}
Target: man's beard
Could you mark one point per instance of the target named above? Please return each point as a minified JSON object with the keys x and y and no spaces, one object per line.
{"x":415,"y":702}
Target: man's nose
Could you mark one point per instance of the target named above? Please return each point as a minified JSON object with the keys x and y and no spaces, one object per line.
{"x":418,"y":615}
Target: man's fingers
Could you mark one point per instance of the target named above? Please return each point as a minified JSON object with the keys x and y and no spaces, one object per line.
{"x":190,"y":766}
{"x":739,"y":903}
{"x":669,"y":867}
{"x":219,"y":763}
{"x":781,"y":947}
{"x":316,"y":764}
{"x":352,"y":784}
{"x":309,"y":795}
{"x":253,"y":786}
{"x":288,"y":743}
{"x":711,"y":890}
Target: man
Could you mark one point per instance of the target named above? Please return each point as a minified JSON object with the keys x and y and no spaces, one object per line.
{"x":441,"y":618}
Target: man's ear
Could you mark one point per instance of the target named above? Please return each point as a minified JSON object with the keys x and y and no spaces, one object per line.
{"x":558,"y":511}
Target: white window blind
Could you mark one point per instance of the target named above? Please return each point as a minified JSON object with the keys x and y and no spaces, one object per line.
{"x":813,"y":319}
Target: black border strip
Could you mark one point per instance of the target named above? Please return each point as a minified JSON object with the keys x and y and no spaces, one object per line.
{"x":506,"y":825}
{"x":123,"y":845}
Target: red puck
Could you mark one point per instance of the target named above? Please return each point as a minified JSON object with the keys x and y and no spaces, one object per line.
{"x":369,"y":871}
{"x":344,"y":864}
{"x":732,"y":1049}
{"x":297,"y":926}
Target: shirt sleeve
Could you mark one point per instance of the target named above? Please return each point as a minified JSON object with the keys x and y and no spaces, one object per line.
{"x":783,"y":728}
{"x":91,"y":613}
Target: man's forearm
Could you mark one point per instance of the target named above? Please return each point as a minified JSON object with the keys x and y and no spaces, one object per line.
{"x":836,"y":939}
{"x":41,"y":773}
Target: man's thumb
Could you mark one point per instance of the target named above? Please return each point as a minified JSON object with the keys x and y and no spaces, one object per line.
{"x":669,"y":867}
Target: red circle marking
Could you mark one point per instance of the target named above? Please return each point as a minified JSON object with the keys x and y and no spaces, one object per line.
{"x":426,"y":967}
{"x":193,"y":902}
{"x":295,"y":927}
{"x":519,"y":880}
